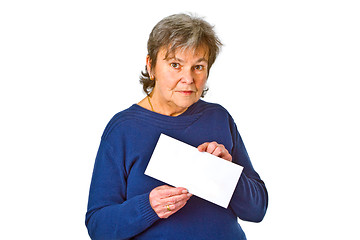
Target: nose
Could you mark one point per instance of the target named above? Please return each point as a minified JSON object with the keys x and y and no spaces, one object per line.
{"x":187,"y":76}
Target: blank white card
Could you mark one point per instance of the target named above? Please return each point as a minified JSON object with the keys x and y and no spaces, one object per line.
{"x":203,"y":174}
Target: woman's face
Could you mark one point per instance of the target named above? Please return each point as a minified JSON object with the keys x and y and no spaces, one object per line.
{"x":180,"y":80}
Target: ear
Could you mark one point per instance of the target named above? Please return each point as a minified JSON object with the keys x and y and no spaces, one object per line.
{"x":148,"y":64}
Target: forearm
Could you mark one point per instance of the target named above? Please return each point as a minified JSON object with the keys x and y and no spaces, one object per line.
{"x":120,"y":221}
{"x":250,"y":199}
{"x":111,"y":214}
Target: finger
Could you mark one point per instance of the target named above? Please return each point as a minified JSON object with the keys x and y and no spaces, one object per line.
{"x":207,"y":147}
{"x":203,"y":147}
{"x":221,"y":152}
{"x":171,"y":191}
{"x":173,"y":209}
{"x":218,"y":151}
{"x":176,"y":207}
{"x":177,"y":198}
{"x":225,"y":153}
{"x":211,"y":147}
{"x":227,"y":157}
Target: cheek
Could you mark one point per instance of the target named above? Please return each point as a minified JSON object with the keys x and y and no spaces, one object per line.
{"x":167,"y":80}
{"x":171,"y":82}
{"x":200,"y":83}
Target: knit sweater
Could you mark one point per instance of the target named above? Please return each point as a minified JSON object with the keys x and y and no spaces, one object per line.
{"x":119,"y":207}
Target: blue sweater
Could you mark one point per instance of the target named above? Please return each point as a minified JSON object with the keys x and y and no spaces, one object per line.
{"x":119,"y":206}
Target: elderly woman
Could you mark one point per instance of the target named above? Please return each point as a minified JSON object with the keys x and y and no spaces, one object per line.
{"x":126,"y":204}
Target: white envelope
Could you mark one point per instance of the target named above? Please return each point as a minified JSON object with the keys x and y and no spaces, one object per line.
{"x":203,"y":174}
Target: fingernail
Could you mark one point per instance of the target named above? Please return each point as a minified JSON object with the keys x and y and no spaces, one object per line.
{"x":189,"y":194}
{"x":185,"y":191}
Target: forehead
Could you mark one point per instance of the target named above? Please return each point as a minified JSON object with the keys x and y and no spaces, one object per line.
{"x":199,"y":52}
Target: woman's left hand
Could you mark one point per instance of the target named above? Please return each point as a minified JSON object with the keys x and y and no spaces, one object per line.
{"x":216,"y":149}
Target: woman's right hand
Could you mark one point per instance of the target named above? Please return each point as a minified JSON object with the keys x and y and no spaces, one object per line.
{"x":166,"y":200}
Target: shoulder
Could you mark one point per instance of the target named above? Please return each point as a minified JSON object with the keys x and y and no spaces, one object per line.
{"x":211,"y":108}
{"x":122,"y":121}
{"x":216,"y":113}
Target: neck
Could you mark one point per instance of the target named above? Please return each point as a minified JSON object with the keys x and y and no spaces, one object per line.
{"x":164,"y":110}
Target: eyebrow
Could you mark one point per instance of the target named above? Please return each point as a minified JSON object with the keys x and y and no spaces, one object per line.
{"x":181,"y":61}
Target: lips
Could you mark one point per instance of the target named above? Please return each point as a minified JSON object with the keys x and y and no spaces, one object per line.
{"x":186,"y":92}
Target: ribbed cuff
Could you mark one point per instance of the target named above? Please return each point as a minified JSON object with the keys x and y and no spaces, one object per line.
{"x":146,"y":210}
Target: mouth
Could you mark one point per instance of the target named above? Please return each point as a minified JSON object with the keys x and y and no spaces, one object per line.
{"x":186,"y":92}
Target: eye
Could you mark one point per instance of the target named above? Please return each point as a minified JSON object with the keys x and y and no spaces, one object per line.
{"x":175,"y":65}
{"x":199,"y":67}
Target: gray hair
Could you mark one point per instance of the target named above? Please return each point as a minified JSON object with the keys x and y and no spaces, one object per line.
{"x":180,"y":31}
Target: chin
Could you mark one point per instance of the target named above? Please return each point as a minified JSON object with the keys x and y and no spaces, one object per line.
{"x":187,"y":102}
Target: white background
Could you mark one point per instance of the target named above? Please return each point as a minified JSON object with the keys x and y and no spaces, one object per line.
{"x":288,"y":74}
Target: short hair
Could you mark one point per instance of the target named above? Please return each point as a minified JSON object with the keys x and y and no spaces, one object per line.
{"x":180,"y":31}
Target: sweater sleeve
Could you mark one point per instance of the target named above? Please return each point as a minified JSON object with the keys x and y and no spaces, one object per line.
{"x":110,"y":214}
{"x":250,"y":199}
